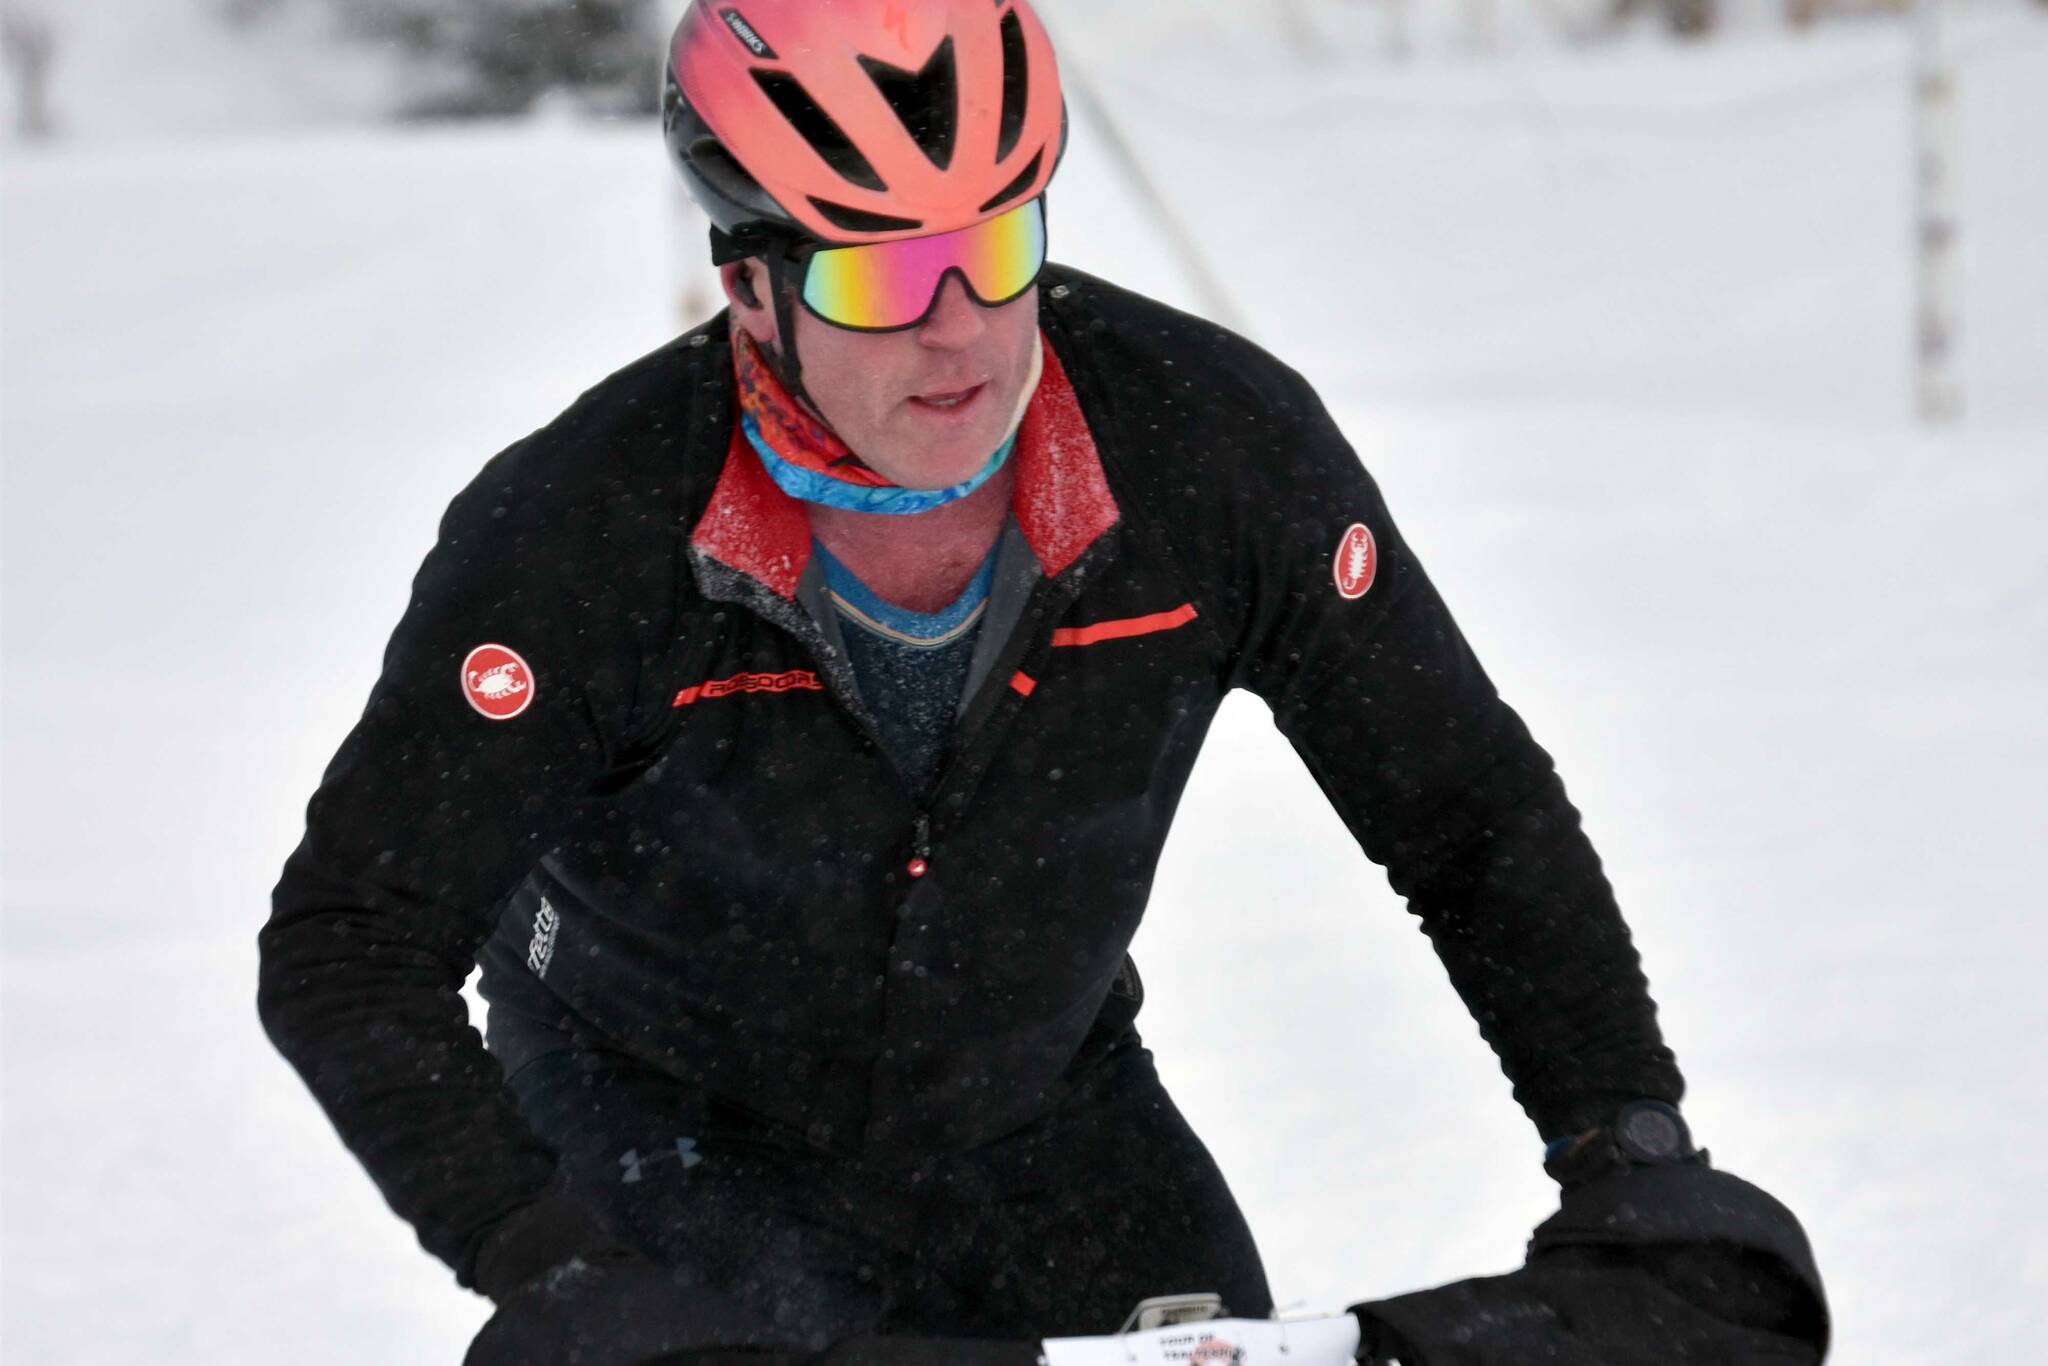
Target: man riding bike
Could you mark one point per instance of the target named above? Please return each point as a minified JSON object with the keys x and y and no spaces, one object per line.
{"x":791,"y":728}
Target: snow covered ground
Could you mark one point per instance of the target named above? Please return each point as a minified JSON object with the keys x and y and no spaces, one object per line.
{"x":1621,"y":333}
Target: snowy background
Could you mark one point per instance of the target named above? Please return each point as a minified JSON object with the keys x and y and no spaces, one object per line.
{"x":1623,"y":331}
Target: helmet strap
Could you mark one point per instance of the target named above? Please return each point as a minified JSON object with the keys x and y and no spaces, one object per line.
{"x":773,"y":248}
{"x":782,"y":357}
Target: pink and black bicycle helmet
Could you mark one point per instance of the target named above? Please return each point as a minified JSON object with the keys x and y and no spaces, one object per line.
{"x":849,"y":121}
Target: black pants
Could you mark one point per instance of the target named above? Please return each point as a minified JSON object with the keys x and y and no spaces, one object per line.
{"x":1058,"y":1229}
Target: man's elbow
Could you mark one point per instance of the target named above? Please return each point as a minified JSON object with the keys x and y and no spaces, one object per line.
{"x":274,"y":982}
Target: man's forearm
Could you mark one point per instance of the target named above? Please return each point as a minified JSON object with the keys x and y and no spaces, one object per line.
{"x":376,"y":1026}
{"x":1527,"y":928}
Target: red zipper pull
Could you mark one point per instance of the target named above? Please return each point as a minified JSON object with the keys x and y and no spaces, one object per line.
{"x":921,"y":848}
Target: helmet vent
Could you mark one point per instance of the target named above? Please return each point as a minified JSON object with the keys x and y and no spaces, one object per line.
{"x":927,"y":101}
{"x":724,"y":175}
{"x":1017,"y":186}
{"x":855,"y":220}
{"x":1016,"y":87}
{"x":816,"y":127}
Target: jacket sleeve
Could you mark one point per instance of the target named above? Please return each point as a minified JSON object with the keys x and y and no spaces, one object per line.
{"x":425,"y":820}
{"x":1441,"y":783}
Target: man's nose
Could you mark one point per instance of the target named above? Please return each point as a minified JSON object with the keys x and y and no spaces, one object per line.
{"x":956,"y":319}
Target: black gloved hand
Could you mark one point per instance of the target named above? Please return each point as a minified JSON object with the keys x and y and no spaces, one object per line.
{"x":539,"y":1236}
{"x":1640,"y":1266}
{"x":620,"y":1308}
{"x":571,"y":1293}
{"x":877,"y":1350}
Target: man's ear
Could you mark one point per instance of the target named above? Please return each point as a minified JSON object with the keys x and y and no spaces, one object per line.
{"x":743,"y":288}
{"x":746,"y":288}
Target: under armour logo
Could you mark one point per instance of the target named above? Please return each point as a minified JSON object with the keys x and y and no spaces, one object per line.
{"x":685,"y":1151}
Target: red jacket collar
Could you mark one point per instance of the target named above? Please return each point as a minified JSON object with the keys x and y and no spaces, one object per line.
{"x":1061,"y":500}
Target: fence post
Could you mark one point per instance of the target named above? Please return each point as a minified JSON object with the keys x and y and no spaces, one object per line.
{"x":1400,"y":44}
{"x":1482,"y":25}
{"x":28,"y":43}
{"x":1938,"y":325}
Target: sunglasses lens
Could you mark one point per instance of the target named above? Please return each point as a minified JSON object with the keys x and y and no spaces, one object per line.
{"x":887,"y":285}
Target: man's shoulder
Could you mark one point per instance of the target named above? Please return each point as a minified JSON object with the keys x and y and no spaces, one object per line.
{"x":1184,"y":408}
{"x":652,"y":418}
{"x":637,"y":444}
{"x":1140,"y":346}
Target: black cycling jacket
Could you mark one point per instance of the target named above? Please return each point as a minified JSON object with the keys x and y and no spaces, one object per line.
{"x":725,"y":851}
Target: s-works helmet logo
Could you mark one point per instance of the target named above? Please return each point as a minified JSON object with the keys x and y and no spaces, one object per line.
{"x":744,"y":31}
{"x":1357,"y":562}
{"x":497,"y":682}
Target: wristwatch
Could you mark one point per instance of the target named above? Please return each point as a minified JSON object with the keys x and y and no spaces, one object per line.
{"x":1645,"y":1133}
{"x":1653,"y":1133}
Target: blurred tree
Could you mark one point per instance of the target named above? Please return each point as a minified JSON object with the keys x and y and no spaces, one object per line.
{"x":1299,"y":31}
{"x":1591,"y":20}
{"x":1686,"y":18}
{"x":28,"y":40}
{"x":498,"y":56}
{"x":1803,"y":13}
{"x":246,"y":13}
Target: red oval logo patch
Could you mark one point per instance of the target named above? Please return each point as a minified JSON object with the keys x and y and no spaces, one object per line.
{"x":1357,"y":563}
{"x":497,"y":682}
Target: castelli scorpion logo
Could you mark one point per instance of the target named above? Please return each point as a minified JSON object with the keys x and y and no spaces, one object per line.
{"x":493,"y":684}
{"x":1357,"y":563}
{"x":497,"y":682}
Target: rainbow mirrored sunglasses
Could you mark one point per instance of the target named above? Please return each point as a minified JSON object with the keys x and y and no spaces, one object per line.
{"x":890,"y":286}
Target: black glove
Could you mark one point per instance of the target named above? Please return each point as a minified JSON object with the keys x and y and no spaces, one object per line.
{"x":876,"y":1350}
{"x":621,"y":1308}
{"x":570,"y":1293}
{"x":539,"y":1236}
{"x":1640,"y":1266}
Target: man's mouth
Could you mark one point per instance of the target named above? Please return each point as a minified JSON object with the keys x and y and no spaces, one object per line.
{"x":945,"y":400}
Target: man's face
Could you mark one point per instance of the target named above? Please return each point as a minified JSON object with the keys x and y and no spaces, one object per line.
{"x":925,"y":407}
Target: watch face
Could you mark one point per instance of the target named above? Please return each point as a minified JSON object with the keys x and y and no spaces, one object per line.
{"x":1652,"y":1132}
